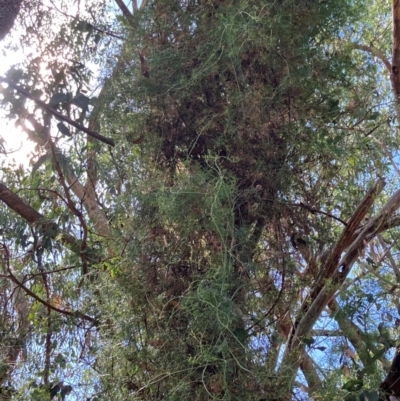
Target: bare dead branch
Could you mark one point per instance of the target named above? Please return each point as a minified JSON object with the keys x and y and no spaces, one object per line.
{"x":70,"y":203}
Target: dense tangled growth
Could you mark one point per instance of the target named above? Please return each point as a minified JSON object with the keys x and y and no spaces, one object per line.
{"x":236,"y":243}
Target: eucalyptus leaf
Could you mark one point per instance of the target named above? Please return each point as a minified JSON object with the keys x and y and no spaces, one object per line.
{"x":81,"y":101}
{"x":42,"y":159}
{"x":64,"y":129}
{"x":58,"y":98}
{"x":353,"y":385}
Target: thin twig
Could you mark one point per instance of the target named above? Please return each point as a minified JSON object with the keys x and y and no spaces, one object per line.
{"x":55,"y":113}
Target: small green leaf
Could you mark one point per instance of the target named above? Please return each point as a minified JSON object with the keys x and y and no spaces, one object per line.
{"x":370,"y":298}
{"x":81,"y":101}
{"x":93,"y":100}
{"x":58,"y":98}
{"x":373,"y":116}
{"x":353,"y":385}
{"x":64,"y":129}
{"x":84,"y":26}
{"x":60,"y":360}
{"x":308,"y":340}
{"x":42,"y":159}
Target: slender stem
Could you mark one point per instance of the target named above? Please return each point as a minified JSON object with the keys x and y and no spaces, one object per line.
{"x":55,"y":113}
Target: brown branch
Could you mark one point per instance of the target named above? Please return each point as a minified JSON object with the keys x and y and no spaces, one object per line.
{"x":70,"y":202}
{"x":75,"y":314}
{"x":387,"y":252}
{"x":125,"y":11}
{"x":307,"y":366}
{"x":371,"y":229}
{"x":315,"y":211}
{"x":86,"y":194}
{"x":375,"y":52}
{"x":48,"y":272}
{"x":55,"y":113}
{"x":143,"y":4}
{"x":391,"y":222}
{"x":15,"y":203}
{"x":22,"y":286}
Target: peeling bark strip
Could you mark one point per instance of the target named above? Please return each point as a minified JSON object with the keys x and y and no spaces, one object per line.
{"x":330,"y":264}
{"x":353,"y":240}
{"x":55,"y":113}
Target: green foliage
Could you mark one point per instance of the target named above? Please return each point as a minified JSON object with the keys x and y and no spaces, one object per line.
{"x":243,"y":129}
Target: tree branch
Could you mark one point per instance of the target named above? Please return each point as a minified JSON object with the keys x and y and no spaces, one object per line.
{"x":29,"y":214}
{"x":391,"y":384}
{"x":354,"y":334}
{"x":55,"y":113}
{"x":125,"y":11}
{"x":75,"y":314}
{"x":375,"y":52}
{"x":315,"y":304}
{"x":307,"y":366}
